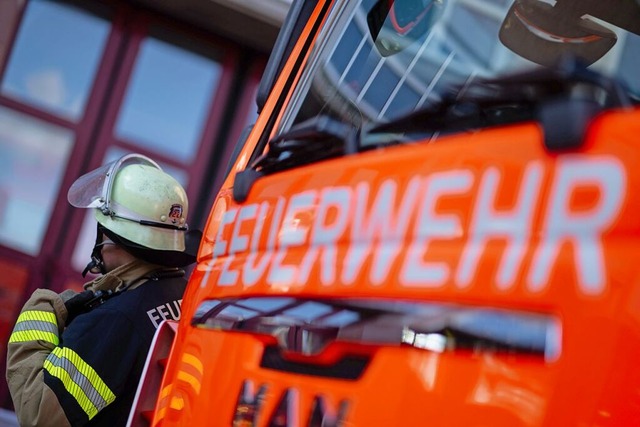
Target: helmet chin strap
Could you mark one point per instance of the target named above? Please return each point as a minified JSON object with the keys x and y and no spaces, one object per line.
{"x":96,"y":265}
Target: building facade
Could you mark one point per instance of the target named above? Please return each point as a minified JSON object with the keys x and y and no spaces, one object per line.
{"x":83,"y":82}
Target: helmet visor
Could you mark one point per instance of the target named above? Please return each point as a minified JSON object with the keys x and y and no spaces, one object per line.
{"x":93,"y":190}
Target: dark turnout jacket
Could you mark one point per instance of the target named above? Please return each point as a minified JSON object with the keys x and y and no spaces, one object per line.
{"x":88,"y":372}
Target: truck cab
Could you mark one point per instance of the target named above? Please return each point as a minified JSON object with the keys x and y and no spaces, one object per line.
{"x":432,"y":222}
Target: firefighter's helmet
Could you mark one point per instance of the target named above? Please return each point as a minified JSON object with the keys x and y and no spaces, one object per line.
{"x":138,"y":205}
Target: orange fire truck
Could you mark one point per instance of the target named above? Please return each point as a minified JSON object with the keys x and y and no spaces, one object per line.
{"x":433,"y":221}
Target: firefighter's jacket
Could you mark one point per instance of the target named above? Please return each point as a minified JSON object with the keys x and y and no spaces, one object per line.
{"x":88,"y":372}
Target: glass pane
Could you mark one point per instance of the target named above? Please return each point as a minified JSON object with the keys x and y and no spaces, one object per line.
{"x":168,"y":99}
{"x":55,"y":58}
{"x":375,"y":61}
{"x":33,"y":158}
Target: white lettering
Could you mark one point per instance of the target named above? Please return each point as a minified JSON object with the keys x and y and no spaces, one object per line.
{"x":514,"y":226}
{"x":394,"y":231}
{"x":292,"y":233}
{"x":429,"y":226}
{"x":164,"y":312}
{"x":153,"y":316}
{"x":341,"y":234}
{"x":220,"y":246}
{"x":252,"y":271}
{"x":325,"y":234}
{"x":581,"y":229}
{"x":239,"y":242}
{"x":382,"y":222}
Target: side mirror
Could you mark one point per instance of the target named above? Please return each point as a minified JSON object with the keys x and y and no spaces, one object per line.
{"x":547,"y":34}
{"x":395,"y":24}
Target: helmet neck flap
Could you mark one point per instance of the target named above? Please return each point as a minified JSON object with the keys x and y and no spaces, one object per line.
{"x":165,"y":258}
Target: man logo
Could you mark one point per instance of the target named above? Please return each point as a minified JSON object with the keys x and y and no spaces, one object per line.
{"x":250,"y":405}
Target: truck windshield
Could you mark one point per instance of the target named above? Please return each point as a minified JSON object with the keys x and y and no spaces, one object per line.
{"x":377,"y":60}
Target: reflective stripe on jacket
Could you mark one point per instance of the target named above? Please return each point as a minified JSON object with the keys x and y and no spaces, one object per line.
{"x":88,"y":374}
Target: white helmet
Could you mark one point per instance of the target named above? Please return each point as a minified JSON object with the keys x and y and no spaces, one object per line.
{"x":137,"y":201}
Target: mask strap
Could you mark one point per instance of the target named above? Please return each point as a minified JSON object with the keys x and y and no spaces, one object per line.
{"x":96,"y":265}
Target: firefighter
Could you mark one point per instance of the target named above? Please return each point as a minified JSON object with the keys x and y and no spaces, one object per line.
{"x":76,"y":358}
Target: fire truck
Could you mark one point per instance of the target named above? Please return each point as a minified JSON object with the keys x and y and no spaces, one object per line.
{"x":432,"y":221}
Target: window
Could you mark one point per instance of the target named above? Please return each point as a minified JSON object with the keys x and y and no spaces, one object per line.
{"x":55,"y":58}
{"x":168,"y":99}
{"x":33,"y":158}
{"x":367,"y":66}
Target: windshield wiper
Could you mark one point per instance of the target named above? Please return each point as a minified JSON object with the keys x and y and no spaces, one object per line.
{"x":553,"y":97}
{"x":316,"y":139}
{"x":319,"y":138}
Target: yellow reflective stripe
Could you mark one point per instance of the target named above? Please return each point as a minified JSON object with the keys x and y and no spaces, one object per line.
{"x":162,"y":404}
{"x":74,"y":389}
{"x":34,"y":335}
{"x":165,"y":391}
{"x":190,"y":379}
{"x":44,"y":316}
{"x":33,"y":325}
{"x":192,"y":360}
{"x":80,"y":380}
{"x":177,"y":403}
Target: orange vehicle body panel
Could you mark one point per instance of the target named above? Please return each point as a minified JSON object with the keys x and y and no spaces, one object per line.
{"x":444,"y":389}
{"x":568,"y":251}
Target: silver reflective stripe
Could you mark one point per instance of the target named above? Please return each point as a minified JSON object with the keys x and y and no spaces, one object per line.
{"x":80,"y":380}
{"x":34,"y":325}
